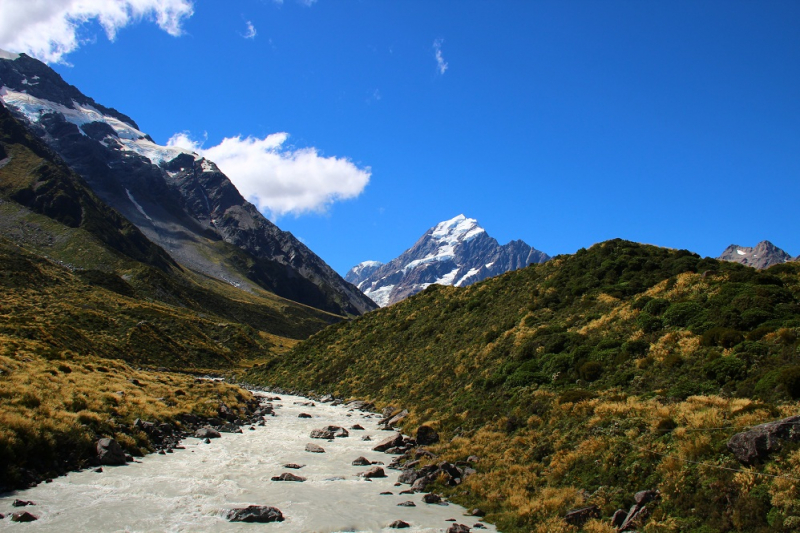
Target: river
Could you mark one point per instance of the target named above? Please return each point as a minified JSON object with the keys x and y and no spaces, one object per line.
{"x":189,"y":490}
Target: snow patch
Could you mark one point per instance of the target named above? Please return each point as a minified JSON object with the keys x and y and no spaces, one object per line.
{"x":11,"y":56}
{"x":380,"y":296}
{"x":448,"y":278}
{"x":472,"y":272}
{"x":139,"y":207}
{"x":740,"y":251}
{"x":131,"y":139}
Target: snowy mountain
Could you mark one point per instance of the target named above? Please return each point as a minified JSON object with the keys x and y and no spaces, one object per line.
{"x":764,"y":255}
{"x":455,"y":252}
{"x":178,"y":199}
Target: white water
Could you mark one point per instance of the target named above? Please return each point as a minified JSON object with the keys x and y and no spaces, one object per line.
{"x":187,"y":491}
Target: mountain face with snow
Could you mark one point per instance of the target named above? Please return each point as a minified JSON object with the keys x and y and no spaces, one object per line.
{"x":178,"y":199}
{"x":455,"y":252}
{"x":763,"y":255}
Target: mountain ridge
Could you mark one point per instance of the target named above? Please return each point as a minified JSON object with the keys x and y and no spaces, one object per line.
{"x":455,"y":252}
{"x":761,"y":256}
{"x":178,"y":199}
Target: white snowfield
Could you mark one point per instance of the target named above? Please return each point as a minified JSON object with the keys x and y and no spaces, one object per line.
{"x":130,"y":138}
{"x":11,"y":56}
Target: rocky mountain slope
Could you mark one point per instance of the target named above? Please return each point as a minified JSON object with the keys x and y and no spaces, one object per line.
{"x":180,"y":201}
{"x":579,"y":383}
{"x":763,"y":255}
{"x":455,"y":252}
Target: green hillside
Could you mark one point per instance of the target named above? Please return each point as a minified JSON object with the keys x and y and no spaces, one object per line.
{"x":586,"y":379}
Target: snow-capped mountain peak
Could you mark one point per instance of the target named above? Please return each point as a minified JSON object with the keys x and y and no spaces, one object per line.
{"x":455,"y":252}
{"x":763,"y":255}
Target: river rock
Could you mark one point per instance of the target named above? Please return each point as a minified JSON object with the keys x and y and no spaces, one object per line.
{"x":375,"y":471}
{"x":287,"y":476}
{"x":458,"y":528}
{"x":293,"y":465}
{"x":338,"y":431}
{"x":426,"y":435}
{"x":23,"y":516}
{"x":399,"y":524}
{"x":396,"y":419}
{"x":362,"y":461}
{"x":358,"y":427}
{"x":207,"y":433}
{"x":757,"y":443}
{"x":313,"y":448}
{"x":407,"y":504}
{"x":109,"y":452}
{"x":432,"y":498}
{"x":254,"y":513}
{"x":304,"y":415}
{"x":322,"y":434}
{"x":389,"y":442}
{"x":22,"y":503}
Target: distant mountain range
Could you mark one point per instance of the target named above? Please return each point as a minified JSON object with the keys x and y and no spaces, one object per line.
{"x":763,"y":255}
{"x":179,"y":200}
{"x":455,"y":252}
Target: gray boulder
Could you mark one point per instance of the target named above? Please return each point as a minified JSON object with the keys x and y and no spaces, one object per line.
{"x":755,"y":445}
{"x":24,"y":516}
{"x":287,"y":476}
{"x":254,"y":513}
{"x":375,"y":471}
{"x":578,"y":517}
{"x":109,"y":452}
{"x":313,"y":448}
{"x":322,"y":434}
{"x":362,"y":461}
{"x":207,"y":433}
{"x":389,"y":442}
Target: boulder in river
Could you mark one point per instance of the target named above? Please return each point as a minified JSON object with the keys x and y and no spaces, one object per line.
{"x":109,"y":452}
{"x":399,"y":524}
{"x":338,"y":431}
{"x":375,"y":471}
{"x":389,"y":442}
{"x":357,"y":427}
{"x":362,"y":461}
{"x":407,"y":504}
{"x":304,"y":415}
{"x":24,"y":516}
{"x":287,"y":476}
{"x":293,"y":465}
{"x":254,"y":513}
{"x":313,"y":448}
{"x":432,"y":498}
{"x":458,"y":528}
{"x":22,"y":503}
{"x":322,"y":434}
{"x":207,"y":433}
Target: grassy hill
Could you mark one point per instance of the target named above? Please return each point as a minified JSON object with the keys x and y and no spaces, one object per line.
{"x":88,"y":304}
{"x":586,"y":379}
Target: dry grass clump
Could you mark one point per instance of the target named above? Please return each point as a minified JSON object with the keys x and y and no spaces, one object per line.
{"x":53,"y":410}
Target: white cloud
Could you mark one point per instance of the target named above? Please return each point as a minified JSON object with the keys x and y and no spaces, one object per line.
{"x":251,"y":31}
{"x":49,"y":29}
{"x":281,"y":180}
{"x":441,"y":64}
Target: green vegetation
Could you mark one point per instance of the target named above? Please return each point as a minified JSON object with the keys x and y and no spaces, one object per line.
{"x":585,"y":380}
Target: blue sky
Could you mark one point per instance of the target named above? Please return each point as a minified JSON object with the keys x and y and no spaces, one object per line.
{"x":561,"y":123}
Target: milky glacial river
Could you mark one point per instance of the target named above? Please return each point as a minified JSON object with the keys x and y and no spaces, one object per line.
{"x":188,"y":490}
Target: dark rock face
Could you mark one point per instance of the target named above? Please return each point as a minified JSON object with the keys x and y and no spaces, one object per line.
{"x":254,"y":513}
{"x":455,"y":252}
{"x":763,"y":255}
{"x":109,"y":452}
{"x":756,"y":444}
{"x":426,"y":436}
{"x":179,"y":200}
